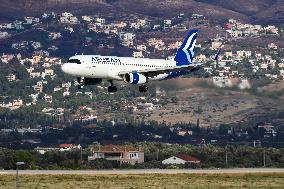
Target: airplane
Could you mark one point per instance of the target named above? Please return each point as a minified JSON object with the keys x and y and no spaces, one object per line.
{"x":93,"y":69}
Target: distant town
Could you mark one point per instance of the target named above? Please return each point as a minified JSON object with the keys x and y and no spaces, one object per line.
{"x":42,"y":67}
{"x":43,"y":111}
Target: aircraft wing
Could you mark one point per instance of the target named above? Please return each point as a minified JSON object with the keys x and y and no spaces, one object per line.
{"x":158,"y":71}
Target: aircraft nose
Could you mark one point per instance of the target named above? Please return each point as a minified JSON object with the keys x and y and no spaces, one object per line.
{"x":65,"y":68}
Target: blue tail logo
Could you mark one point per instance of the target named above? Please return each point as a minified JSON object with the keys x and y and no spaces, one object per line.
{"x":216,"y":56}
{"x":185,"y":53}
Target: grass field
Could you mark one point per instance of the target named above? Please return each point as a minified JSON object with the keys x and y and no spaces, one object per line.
{"x":159,"y":181}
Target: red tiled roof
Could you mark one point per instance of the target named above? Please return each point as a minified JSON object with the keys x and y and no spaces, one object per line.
{"x":65,"y":145}
{"x":187,"y":158}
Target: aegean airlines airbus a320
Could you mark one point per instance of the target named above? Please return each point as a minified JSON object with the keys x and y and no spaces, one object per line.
{"x":92,"y":69}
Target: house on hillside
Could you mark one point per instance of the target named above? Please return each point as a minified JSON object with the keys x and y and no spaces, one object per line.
{"x":184,"y":132}
{"x":43,"y":150}
{"x":180,"y":159}
{"x":11,"y":77}
{"x":269,"y":130}
{"x":68,"y":147}
{"x":121,"y":154}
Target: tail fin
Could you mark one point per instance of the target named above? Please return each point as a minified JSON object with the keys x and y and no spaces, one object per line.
{"x":185,"y":53}
{"x":216,"y":56}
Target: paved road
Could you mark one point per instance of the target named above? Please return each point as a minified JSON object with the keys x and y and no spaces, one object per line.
{"x":146,"y":171}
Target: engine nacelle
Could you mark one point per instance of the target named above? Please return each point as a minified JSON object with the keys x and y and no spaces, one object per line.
{"x":135,"y":78}
{"x":92,"y":81}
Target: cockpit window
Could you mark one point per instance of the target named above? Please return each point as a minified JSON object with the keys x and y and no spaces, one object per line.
{"x":74,"y":61}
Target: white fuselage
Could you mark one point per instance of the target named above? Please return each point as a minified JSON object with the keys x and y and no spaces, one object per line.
{"x":109,"y":67}
{"x":92,"y":69}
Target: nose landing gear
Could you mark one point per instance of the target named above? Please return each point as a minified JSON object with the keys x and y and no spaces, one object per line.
{"x":80,"y":81}
{"x":112,"y":88}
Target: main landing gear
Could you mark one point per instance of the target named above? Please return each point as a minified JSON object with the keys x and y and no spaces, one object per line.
{"x":80,"y":81}
{"x":112,"y":88}
{"x":143,"y":88}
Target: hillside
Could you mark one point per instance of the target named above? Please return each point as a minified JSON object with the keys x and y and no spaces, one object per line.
{"x":245,"y":7}
{"x":13,"y":9}
{"x":171,"y":8}
{"x":258,"y":11}
{"x":275,"y":14}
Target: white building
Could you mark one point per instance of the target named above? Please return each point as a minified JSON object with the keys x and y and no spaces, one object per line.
{"x":68,"y":147}
{"x":15,"y":104}
{"x":167,"y":24}
{"x":100,"y":21}
{"x":87,"y":18}
{"x":3,"y":34}
{"x":137,"y":54}
{"x":31,"y":20}
{"x":271,"y":29}
{"x":54,"y":35}
{"x":141,"y":48}
{"x":42,"y":151}
{"x":138,"y":24}
{"x":48,"y":98}
{"x":180,"y":160}
{"x":127,"y":39}
{"x":6,"y":58}
{"x":216,"y":45}
{"x":35,"y":44}
{"x":68,"y":18}
{"x":11,"y":77}
{"x":242,"y":54}
{"x":47,"y":72}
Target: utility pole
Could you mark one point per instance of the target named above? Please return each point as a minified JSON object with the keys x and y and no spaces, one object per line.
{"x":158,"y":153}
{"x":17,"y":178}
{"x":226,"y":157}
{"x":226,"y":154}
{"x":264,"y":161}
{"x":17,"y":173}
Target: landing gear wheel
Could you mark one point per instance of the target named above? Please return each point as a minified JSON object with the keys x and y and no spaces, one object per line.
{"x":112,"y":89}
{"x":80,"y":86}
{"x":80,"y":81}
{"x":143,"y":88}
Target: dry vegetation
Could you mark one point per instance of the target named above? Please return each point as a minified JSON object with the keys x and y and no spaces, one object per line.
{"x":212,"y":106}
{"x":159,"y":181}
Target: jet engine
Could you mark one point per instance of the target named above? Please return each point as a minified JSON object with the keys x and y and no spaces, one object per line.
{"x":135,"y":78}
